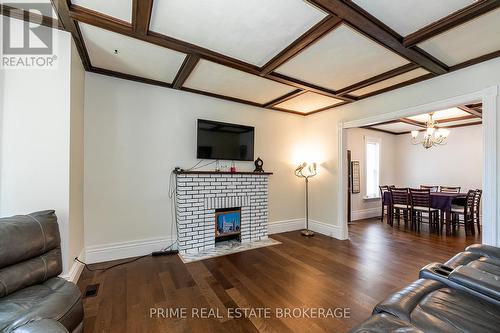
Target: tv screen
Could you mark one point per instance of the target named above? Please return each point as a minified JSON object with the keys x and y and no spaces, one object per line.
{"x":222,"y":141}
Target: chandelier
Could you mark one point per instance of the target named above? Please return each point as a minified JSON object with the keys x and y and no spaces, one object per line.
{"x":432,"y":136}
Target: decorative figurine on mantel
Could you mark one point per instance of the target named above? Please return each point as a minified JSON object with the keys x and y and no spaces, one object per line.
{"x":258,"y":165}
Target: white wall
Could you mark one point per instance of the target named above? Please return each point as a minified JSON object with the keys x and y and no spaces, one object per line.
{"x":35,"y":140}
{"x":135,"y":134}
{"x":76,"y":172}
{"x":363,"y":208}
{"x":322,"y":130}
{"x":458,"y":163}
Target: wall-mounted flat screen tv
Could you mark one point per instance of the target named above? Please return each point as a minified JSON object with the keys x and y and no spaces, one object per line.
{"x":223,"y":141}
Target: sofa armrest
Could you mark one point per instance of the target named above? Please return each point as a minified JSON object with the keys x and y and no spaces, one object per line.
{"x":383,"y":323}
{"x":485,"y":250}
{"x":42,"y":326}
{"x":402,"y":303}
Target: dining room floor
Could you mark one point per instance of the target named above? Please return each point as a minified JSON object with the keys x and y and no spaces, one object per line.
{"x":300,"y":273}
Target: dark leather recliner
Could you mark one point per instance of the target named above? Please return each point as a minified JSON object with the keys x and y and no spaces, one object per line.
{"x":32,"y":297}
{"x":461,"y":295}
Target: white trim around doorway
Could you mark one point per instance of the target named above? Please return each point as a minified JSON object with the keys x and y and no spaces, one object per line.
{"x":488,"y":97}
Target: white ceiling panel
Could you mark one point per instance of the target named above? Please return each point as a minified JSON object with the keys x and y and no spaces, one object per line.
{"x":25,"y":4}
{"x":120,"y":9}
{"x":407,"y":16}
{"x":390,"y":82}
{"x":398,"y":127}
{"x":308,"y":102}
{"x":222,"y":80}
{"x":252,"y":31}
{"x":467,"y":41}
{"x":134,"y":57}
{"x":341,"y":58}
{"x":442,"y":114}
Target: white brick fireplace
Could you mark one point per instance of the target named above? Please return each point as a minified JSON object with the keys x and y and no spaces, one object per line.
{"x":200,"y":194}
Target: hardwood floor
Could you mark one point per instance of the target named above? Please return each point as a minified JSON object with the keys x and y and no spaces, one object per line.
{"x":318,"y":272}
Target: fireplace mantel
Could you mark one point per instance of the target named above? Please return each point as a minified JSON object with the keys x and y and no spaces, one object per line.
{"x":207,"y":172}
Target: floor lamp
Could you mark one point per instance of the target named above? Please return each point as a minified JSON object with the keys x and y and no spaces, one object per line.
{"x":306,"y":171}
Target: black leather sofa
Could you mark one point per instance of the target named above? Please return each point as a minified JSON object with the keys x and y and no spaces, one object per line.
{"x":32,"y":296}
{"x":461,"y":295}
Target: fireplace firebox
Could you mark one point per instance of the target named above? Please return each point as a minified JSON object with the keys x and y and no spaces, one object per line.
{"x":227,"y":224}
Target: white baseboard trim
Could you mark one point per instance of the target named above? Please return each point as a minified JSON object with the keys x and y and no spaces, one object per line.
{"x":76,"y":269}
{"x":299,"y":224}
{"x":122,"y":250}
{"x":326,"y":229}
{"x":365,"y":213}
{"x":285,"y":226}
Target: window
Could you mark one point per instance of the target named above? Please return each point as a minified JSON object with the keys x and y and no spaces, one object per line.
{"x":372,"y":166}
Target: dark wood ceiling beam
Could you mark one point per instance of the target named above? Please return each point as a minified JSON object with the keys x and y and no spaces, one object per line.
{"x":328,"y":107}
{"x":453,"y":20}
{"x":308,"y":86}
{"x":129,"y":77}
{"x":284,"y":98}
{"x":463,"y":125}
{"x":378,"y":78}
{"x":141,"y":15}
{"x":477,"y":60}
{"x":412,"y":122}
{"x":187,"y":67}
{"x":62,"y":9}
{"x":379,"y":130}
{"x":399,"y":85}
{"x":471,"y":111}
{"x":363,"y":23}
{"x":316,"y":32}
{"x":32,"y":17}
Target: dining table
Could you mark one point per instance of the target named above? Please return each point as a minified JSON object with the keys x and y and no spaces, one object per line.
{"x":439,"y":200}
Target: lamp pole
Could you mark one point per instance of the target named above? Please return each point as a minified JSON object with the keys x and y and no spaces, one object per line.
{"x":306,"y":171}
{"x":307,"y":232}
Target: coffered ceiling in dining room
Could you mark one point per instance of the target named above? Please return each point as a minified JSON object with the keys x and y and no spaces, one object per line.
{"x":300,"y":56}
{"x":465,"y":115}
{"x":252,"y":31}
{"x":441,"y":114}
{"x":397,"y":127}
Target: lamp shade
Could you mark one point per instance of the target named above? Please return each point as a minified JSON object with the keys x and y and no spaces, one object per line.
{"x":306,"y":170}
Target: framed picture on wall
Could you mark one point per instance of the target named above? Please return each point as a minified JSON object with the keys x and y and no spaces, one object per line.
{"x":355,"y":186}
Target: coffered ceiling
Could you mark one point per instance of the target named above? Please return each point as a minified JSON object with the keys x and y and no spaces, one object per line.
{"x":295,"y":56}
{"x":465,"y":115}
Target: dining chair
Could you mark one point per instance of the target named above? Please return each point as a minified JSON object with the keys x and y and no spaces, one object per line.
{"x":449,"y":189}
{"x":383,"y":189}
{"x":467,"y":211}
{"x":476,"y":215}
{"x":420,"y":200}
{"x":432,"y":188}
{"x":400,"y":202}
